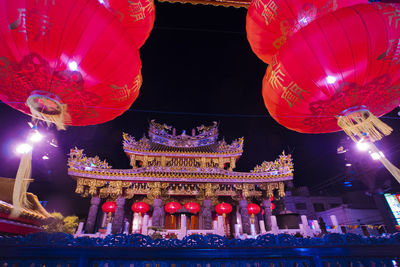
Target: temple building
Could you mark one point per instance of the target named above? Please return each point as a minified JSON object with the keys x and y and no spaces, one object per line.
{"x":184,"y":168}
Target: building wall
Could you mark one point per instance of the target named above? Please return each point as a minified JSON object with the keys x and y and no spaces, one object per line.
{"x":348,"y":216}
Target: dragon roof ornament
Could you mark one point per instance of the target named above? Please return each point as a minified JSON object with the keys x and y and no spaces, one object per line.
{"x":78,"y":160}
{"x":283,"y":164}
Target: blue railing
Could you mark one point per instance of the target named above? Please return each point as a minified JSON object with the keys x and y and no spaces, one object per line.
{"x":332,"y":250}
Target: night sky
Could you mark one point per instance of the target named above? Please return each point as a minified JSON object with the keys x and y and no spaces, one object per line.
{"x":197,"y":68}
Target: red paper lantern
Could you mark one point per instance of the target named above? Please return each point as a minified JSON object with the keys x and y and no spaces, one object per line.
{"x":140,"y":207}
{"x":316,"y":84}
{"x":272,"y":206}
{"x":136,"y":15}
{"x":193,"y":207}
{"x":270,"y":22}
{"x":109,"y":207}
{"x":314,"y":79}
{"x":223,"y":208}
{"x":70,"y":62}
{"x":172,"y":207}
{"x":253,"y":209}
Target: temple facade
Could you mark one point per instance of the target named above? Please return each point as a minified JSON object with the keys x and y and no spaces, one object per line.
{"x":167,"y":167}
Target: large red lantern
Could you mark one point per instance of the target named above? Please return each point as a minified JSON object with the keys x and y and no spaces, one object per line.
{"x":172,"y":207}
{"x":253,"y":209}
{"x":192,"y":207}
{"x":109,"y":207}
{"x":270,"y":22}
{"x":140,"y":207}
{"x":136,"y":15}
{"x":223,"y":208}
{"x":316,"y":84}
{"x":68,"y":62}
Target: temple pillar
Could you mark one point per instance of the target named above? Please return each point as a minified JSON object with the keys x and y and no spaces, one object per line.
{"x":91,"y":219}
{"x":206,"y":215}
{"x":118,"y":221}
{"x":244,"y":216}
{"x":158,"y":213}
{"x":267,"y":214}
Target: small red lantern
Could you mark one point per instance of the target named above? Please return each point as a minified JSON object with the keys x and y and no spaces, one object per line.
{"x":272,"y":206}
{"x":193,"y":207}
{"x":253,"y":209}
{"x":223,"y":208}
{"x":172,"y":207}
{"x":140,"y":207}
{"x":109,"y":207}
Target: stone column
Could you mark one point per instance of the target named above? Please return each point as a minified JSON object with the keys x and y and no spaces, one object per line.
{"x":91,"y":219}
{"x":119,"y":216}
{"x":267,"y":214}
{"x":158,"y":213}
{"x":206,"y":215}
{"x":245,"y":216}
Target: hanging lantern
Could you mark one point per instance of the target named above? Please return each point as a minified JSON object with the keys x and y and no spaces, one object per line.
{"x":140,"y":207}
{"x":272,"y":206}
{"x":136,"y":15}
{"x":316,"y":84}
{"x":192,"y":207}
{"x":109,"y":207}
{"x":270,"y":23}
{"x":172,"y":207}
{"x":66,"y":62}
{"x":223,"y":208}
{"x":253,"y":209}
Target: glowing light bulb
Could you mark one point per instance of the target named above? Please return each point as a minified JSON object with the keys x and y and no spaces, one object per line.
{"x":362,"y":146}
{"x":36,"y":137}
{"x":73,"y":66}
{"x":330,"y":79}
{"x":45,"y":157}
{"x":377,"y":155}
{"x":101,"y":2}
{"x":23,"y":148}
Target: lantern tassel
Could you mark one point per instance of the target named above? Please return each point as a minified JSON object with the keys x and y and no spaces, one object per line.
{"x":388,"y":165}
{"x":361,"y":122}
{"x":58,"y":119}
{"x":21,"y":184}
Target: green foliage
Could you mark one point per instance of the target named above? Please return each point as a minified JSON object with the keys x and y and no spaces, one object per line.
{"x":57,"y":223}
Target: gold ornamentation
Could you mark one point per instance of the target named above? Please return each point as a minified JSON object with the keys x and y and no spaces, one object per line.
{"x":79,"y":186}
{"x":283,"y":163}
{"x":123,"y":93}
{"x":78,"y":160}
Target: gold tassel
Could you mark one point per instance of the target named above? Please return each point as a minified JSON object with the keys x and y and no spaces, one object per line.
{"x":388,"y":165}
{"x":362,"y":122}
{"x":21,"y":184}
{"x":57,"y":118}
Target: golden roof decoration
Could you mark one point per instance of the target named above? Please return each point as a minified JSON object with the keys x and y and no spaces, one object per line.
{"x":78,"y":160}
{"x":284,"y":162}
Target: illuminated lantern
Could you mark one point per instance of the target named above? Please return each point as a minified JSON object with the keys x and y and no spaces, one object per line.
{"x":140,"y":207}
{"x":270,"y":22}
{"x":192,"y":207}
{"x":316,"y":84}
{"x":223,"y":208}
{"x":172,"y":207}
{"x":68,"y":62}
{"x":272,"y":206}
{"x":253,"y":209}
{"x":136,"y":15}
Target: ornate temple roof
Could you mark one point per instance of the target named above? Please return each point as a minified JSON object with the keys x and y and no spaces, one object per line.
{"x":93,"y":168}
{"x":162,"y":140}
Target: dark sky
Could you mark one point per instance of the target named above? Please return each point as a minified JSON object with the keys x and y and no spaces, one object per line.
{"x":197,"y":68}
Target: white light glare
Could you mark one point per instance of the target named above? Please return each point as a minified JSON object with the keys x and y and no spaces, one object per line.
{"x":348,"y":164}
{"x":45,"y":157}
{"x":73,"y":66}
{"x":362,"y":146}
{"x":36,"y":137}
{"x":376,"y":155}
{"x":330,"y":79}
{"x":101,"y":2}
{"x":23,"y":148}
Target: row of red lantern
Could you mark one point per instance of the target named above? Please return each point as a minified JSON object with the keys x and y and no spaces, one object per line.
{"x":172,"y":207}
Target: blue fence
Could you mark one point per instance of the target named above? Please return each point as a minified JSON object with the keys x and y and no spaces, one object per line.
{"x":332,"y":250}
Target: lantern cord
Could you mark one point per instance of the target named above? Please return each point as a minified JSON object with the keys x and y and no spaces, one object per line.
{"x":388,"y":165}
{"x":58,"y":119}
{"x":21,"y":184}
{"x":362,"y":122}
